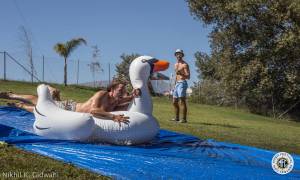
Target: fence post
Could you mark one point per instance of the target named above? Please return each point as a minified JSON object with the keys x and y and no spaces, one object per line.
{"x":4,"y":66}
{"x":43,"y":68}
{"x":77,"y":77}
{"x":199,"y":92}
{"x":108,"y":73}
{"x":14,"y":60}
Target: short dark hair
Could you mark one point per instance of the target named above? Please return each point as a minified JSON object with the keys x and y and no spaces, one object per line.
{"x":113,"y":85}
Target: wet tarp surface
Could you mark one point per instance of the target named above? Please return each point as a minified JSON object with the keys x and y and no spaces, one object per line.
{"x":170,"y":156}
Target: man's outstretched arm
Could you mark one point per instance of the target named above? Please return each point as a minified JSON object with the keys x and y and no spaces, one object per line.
{"x":100,"y":113}
{"x":127,"y":99}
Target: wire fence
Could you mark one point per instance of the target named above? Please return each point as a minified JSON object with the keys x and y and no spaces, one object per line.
{"x":51,"y":70}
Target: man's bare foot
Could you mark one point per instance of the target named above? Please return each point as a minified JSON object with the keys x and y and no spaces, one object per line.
{"x":183,"y":121}
{"x":5,"y":95}
{"x":18,"y":105}
{"x":11,"y":104}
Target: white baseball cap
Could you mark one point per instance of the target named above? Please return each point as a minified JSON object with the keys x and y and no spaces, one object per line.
{"x":179,"y":51}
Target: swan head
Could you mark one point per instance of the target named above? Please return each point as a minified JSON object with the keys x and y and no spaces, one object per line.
{"x":43,"y":92}
{"x":142,"y":67}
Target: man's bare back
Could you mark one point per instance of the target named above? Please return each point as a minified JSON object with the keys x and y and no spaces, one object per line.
{"x":99,"y":105}
{"x":100,"y":100}
{"x":103,"y":102}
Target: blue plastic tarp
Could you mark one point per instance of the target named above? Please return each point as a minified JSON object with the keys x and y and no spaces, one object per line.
{"x":170,"y":156}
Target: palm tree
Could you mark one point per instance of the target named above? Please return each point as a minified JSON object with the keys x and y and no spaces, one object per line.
{"x":65,"y":49}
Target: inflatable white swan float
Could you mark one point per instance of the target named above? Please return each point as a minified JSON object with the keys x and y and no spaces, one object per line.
{"x":54,"y":122}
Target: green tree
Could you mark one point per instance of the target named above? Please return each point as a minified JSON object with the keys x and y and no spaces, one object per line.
{"x":65,"y":49}
{"x":122,"y":68}
{"x":95,"y":65}
{"x":255,"y":51}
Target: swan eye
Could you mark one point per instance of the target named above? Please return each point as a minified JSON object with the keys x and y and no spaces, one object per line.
{"x":152,"y":61}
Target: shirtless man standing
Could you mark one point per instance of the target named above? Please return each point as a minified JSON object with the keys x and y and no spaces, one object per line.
{"x":182,"y":72}
{"x":99,"y":105}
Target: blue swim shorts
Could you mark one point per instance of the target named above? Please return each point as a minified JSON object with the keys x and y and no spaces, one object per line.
{"x":180,"y":89}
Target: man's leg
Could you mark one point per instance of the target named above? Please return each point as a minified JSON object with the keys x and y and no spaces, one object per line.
{"x":176,"y":108}
{"x":27,"y":107}
{"x":182,"y":97}
{"x":184,"y":109}
{"x":175,"y":103}
{"x":30,"y":99}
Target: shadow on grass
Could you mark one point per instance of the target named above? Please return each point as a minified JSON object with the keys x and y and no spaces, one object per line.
{"x":220,"y":125}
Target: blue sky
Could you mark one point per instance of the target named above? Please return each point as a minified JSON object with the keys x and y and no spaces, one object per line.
{"x":156,"y":28}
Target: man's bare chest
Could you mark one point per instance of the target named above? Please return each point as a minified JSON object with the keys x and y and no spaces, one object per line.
{"x":179,"y":67}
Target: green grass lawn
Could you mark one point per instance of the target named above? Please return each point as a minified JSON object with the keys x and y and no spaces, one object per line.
{"x":22,"y":162}
{"x":206,"y":122}
{"x":230,"y":125}
{"x":27,"y":165}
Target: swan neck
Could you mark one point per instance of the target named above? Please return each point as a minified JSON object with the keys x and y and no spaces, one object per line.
{"x":143,"y":104}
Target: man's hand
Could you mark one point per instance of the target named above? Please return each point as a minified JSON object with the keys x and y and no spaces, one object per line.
{"x":120,"y":118}
{"x":136,"y":92}
{"x":179,"y":72}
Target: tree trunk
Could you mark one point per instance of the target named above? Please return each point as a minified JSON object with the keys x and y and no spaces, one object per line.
{"x":65,"y":72}
{"x":31,"y":64}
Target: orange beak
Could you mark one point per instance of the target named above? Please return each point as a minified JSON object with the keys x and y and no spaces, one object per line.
{"x":161,"y":65}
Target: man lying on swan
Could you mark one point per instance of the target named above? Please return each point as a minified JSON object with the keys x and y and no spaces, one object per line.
{"x":99,"y":105}
{"x":54,"y":122}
